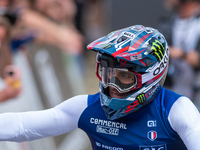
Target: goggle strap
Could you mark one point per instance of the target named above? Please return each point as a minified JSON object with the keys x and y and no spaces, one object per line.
{"x":97,"y":71}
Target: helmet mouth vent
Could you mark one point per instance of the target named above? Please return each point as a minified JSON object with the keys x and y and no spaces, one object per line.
{"x":109,"y":111}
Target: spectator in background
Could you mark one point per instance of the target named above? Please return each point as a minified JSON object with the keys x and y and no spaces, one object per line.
{"x":50,"y":22}
{"x":92,"y":18}
{"x":5,"y":51}
{"x":62,"y":13}
{"x":182,"y":31}
{"x":10,"y":73}
{"x":12,"y":89}
{"x":33,"y":22}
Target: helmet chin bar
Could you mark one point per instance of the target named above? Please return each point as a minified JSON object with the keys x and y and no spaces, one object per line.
{"x":116,"y":113}
{"x":126,"y":106}
{"x":107,"y":93}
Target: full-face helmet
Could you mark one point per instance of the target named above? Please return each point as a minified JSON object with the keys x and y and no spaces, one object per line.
{"x":133,"y":61}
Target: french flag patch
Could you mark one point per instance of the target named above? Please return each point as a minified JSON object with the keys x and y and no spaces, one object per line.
{"x":152,"y":135}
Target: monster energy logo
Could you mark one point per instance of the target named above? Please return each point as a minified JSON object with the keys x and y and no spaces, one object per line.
{"x":107,"y":46}
{"x":158,"y":49}
{"x":141,"y":98}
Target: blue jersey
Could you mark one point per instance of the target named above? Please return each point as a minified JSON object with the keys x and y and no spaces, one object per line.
{"x":163,"y":124}
{"x":146,"y":129}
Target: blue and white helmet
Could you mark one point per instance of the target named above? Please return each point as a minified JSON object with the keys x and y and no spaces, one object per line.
{"x":140,"y":55}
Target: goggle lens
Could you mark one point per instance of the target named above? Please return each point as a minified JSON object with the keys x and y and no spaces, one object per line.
{"x":120,"y":78}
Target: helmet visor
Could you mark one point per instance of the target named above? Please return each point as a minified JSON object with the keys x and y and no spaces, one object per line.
{"x":120,"y":78}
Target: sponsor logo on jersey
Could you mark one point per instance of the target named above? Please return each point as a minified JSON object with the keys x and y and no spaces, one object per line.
{"x":103,"y":146}
{"x":152,"y":135}
{"x":107,"y":127}
{"x":151,"y":123}
{"x":107,"y":130}
{"x":153,"y":147}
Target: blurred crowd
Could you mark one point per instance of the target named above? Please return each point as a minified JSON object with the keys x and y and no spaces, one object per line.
{"x":58,"y":23}
{"x":182,"y":32}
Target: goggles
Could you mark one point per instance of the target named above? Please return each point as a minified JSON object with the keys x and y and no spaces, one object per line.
{"x":122,"y":79}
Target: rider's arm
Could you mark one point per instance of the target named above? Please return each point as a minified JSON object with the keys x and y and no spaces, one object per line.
{"x":27,"y":126}
{"x":185,"y":120}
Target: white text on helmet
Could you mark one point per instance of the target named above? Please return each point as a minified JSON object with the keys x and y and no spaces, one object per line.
{"x":162,"y":66}
{"x":129,"y":34}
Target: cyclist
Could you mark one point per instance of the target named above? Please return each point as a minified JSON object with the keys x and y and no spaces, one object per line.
{"x":132,"y":109}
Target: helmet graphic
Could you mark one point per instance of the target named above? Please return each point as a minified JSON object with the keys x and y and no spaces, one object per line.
{"x":134,"y":62}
